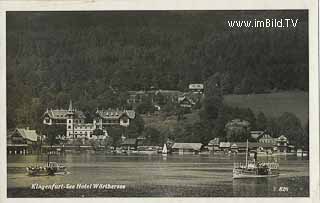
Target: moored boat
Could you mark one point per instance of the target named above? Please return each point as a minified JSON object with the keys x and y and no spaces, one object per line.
{"x":254,"y":169}
{"x":52,"y":168}
{"x":164,"y":150}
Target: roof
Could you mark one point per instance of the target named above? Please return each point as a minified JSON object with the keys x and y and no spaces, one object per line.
{"x":62,"y":113}
{"x":266,"y":136}
{"x":28,"y":134}
{"x":224,"y":144}
{"x":282,"y":137}
{"x":196,"y":86}
{"x":185,"y":99}
{"x":129,"y":141}
{"x":115,"y":114}
{"x":255,"y":134}
{"x":251,"y":144}
{"x":194,"y":146}
{"x":214,"y":141}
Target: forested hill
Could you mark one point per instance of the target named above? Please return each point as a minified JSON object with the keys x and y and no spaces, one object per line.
{"x":87,"y":56}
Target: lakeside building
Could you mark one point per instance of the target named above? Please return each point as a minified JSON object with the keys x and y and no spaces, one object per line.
{"x":265,"y":143}
{"x":187,"y":148}
{"x":266,"y":138}
{"x":282,"y":143}
{"x":76,"y":127}
{"x":22,"y":141}
{"x":241,"y":146}
{"x":129,"y":143}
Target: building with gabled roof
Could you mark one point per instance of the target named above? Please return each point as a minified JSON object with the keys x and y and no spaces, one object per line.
{"x":21,"y":141}
{"x":187,"y":147}
{"x":76,"y":127}
{"x":266,"y":138}
{"x":113,"y":117}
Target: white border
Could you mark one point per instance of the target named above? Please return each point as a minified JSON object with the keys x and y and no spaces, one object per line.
{"x":55,"y":5}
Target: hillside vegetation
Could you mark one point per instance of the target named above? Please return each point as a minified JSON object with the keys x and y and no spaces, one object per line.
{"x":274,"y":104}
{"x":93,"y":58}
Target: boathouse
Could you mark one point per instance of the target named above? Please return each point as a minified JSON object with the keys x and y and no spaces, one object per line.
{"x":224,"y":146}
{"x":22,"y":141}
{"x":130,"y":143}
{"x":187,"y":148}
{"x":255,"y":146}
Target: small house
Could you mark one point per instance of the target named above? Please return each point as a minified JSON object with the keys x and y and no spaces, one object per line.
{"x":186,"y":102}
{"x":282,"y":143}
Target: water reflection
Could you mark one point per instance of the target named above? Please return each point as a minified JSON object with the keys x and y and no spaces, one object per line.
{"x":254,"y":186}
{"x":210,"y":175}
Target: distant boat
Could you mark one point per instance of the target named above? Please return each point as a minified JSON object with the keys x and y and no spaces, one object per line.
{"x":254,"y":169}
{"x":164,"y":149}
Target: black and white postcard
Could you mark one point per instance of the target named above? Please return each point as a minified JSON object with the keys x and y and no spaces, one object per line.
{"x":175,"y":103}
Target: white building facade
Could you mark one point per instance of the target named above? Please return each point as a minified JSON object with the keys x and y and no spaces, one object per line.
{"x":76,"y":127}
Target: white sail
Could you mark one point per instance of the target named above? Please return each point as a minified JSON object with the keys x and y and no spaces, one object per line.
{"x":164,"y":149}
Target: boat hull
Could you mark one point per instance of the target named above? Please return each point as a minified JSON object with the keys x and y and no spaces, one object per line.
{"x":254,"y":173}
{"x":52,"y":168}
{"x":253,"y":176}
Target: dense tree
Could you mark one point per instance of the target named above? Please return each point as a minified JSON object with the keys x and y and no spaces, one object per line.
{"x":98,"y":132}
{"x":53,"y":134}
{"x":146,"y":106}
{"x":273,"y":127}
{"x":115,"y":133}
{"x":153,"y":137}
{"x":261,"y":122}
{"x":291,"y":127}
{"x":136,"y":127}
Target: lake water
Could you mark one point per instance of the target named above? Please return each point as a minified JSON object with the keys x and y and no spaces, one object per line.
{"x":155,"y":176}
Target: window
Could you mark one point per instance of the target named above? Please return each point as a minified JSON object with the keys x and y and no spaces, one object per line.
{"x":69,"y":127}
{"x":69,"y":121}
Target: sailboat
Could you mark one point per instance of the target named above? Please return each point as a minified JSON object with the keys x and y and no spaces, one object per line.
{"x":164,"y":149}
{"x":254,"y":169}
